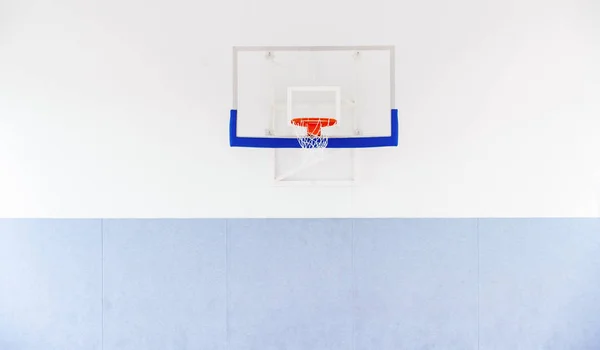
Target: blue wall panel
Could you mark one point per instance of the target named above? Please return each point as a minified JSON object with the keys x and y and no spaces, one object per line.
{"x":164,"y":284}
{"x":50,"y":284}
{"x":290,"y":284}
{"x":540,"y":284}
{"x":416,"y":284}
{"x":300,"y":284}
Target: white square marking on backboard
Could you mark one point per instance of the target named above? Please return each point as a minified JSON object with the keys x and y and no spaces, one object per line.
{"x":316,"y":110}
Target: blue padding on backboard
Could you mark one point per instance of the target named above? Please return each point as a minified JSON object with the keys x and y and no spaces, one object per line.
{"x":334,"y":142}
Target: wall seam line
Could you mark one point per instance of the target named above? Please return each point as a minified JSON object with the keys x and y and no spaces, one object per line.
{"x":353,"y":286}
{"x":478,"y":287}
{"x":226,"y":283}
{"x":102,"y":283}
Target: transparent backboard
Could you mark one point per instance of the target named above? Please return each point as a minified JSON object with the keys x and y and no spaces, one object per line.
{"x":363,"y":76}
{"x":354,"y":85}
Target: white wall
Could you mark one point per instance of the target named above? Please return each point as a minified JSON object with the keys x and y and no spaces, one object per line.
{"x":120,"y":108}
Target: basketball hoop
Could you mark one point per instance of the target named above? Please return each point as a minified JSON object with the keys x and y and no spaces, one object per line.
{"x":309,"y":133}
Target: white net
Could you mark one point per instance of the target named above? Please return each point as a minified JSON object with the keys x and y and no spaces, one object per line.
{"x":313,"y":146}
{"x":310,"y":140}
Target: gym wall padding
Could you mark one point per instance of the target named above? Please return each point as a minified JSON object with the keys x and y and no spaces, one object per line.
{"x":299,"y":284}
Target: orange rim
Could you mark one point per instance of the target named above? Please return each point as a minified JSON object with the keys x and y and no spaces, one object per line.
{"x":313,"y":125}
